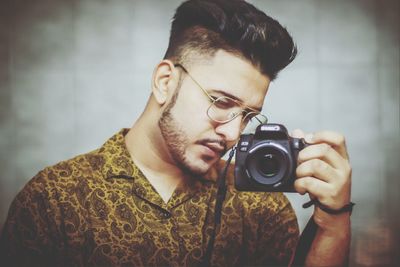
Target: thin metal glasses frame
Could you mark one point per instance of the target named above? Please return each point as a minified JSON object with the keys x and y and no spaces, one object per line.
{"x":247,"y":111}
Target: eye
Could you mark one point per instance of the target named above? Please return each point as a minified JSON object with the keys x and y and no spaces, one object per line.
{"x":224,"y":103}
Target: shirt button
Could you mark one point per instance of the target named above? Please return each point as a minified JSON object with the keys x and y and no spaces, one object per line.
{"x":165,"y":214}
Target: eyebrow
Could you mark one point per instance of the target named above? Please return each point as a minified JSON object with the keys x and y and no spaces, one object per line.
{"x":235,"y":98}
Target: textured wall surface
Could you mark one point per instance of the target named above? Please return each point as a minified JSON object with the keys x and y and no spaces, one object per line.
{"x":74,"y":72}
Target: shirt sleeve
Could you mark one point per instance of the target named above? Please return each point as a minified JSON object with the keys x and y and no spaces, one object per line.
{"x":28,"y":234}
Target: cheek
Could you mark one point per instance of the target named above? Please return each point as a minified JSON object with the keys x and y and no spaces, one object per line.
{"x":192,"y":118}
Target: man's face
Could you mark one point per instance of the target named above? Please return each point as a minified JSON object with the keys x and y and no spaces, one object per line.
{"x":194,"y":141}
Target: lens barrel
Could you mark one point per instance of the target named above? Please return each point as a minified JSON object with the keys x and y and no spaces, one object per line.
{"x":269,"y":164}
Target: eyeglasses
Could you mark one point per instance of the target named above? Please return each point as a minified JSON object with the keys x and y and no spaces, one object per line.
{"x":224,"y":109}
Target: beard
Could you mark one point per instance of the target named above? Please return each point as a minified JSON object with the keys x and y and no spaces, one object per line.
{"x":177,"y":142}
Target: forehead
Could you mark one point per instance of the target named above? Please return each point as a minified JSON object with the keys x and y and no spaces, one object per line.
{"x":233,"y":75}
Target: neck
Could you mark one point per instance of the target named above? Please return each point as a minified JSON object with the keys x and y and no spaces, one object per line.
{"x":150,"y":155}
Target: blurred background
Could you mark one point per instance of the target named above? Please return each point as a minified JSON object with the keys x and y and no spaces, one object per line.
{"x":72,"y":73}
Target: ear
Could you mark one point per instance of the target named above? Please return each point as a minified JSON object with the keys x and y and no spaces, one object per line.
{"x":164,"y":81}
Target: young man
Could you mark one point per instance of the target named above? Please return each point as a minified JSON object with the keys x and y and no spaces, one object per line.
{"x":147,"y":196}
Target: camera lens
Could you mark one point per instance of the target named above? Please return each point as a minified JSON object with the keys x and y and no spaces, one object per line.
{"x":268,"y":165}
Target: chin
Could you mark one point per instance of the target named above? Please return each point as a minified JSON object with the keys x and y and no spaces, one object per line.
{"x":198,"y":170}
{"x":198,"y":166}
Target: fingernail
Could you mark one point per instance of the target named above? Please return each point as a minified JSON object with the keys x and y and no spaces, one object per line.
{"x":309,"y":138}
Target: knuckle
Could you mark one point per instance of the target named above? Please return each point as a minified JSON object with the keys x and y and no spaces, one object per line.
{"x":325,"y":149}
{"x":317,"y":164}
{"x":341,"y":139}
{"x":347,"y":170}
{"x":314,"y":164}
{"x":308,"y":183}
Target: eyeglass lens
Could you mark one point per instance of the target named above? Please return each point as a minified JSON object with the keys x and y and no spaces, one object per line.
{"x":254,"y":122}
{"x":224,"y":109}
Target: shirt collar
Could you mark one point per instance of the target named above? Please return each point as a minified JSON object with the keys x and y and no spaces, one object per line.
{"x":117,"y":163}
{"x":117,"y":160}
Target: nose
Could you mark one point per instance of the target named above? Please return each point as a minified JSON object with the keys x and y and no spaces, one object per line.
{"x":230,"y":130}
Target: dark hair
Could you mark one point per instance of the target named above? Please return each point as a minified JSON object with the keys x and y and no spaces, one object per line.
{"x":204,"y":26}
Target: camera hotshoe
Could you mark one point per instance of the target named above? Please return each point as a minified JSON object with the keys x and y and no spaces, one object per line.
{"x":267,"y":159}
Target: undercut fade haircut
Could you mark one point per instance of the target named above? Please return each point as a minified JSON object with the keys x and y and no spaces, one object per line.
{"x":202,"y":27}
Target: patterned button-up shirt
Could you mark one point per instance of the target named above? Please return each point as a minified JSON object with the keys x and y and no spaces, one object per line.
{"x":98,"y":209}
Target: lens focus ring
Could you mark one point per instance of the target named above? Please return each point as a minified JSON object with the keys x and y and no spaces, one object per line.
{"x":269,"y":163}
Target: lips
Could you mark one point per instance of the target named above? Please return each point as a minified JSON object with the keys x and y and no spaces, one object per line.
{"x":212,"y":147}
{"x":216,"y":147}
{"x":213,"y":150}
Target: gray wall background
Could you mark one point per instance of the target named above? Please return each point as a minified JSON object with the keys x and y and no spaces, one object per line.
{"x":74,"y":72}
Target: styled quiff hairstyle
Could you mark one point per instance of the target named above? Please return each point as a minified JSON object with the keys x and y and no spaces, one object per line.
{"x":202,"y":27}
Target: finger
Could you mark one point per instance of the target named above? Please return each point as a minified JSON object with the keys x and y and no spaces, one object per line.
{"x":323,"y":152}
{"x":336,"y":140}
{"x":318,"y":169}
{"x":297,"y":133}
{"x":319,"y":190}
{"x":316,"y":188}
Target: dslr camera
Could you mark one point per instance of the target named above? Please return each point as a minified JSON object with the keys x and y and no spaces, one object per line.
{"x":267,"y":160}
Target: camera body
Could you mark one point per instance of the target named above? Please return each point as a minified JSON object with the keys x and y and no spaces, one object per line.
{"x":267,"y":160}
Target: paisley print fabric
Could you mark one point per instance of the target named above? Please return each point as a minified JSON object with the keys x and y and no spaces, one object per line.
{"x":98,"y":209}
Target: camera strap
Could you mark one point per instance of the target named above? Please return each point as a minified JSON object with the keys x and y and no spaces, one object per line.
{"x":304,"y":243}
{"x":306,"y":237}
{"x":221,"y":193}
{"x":309,"y":232}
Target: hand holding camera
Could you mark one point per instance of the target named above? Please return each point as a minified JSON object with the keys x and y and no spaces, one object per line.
{"x":270,"y":160}
{"x":324,"y":170}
